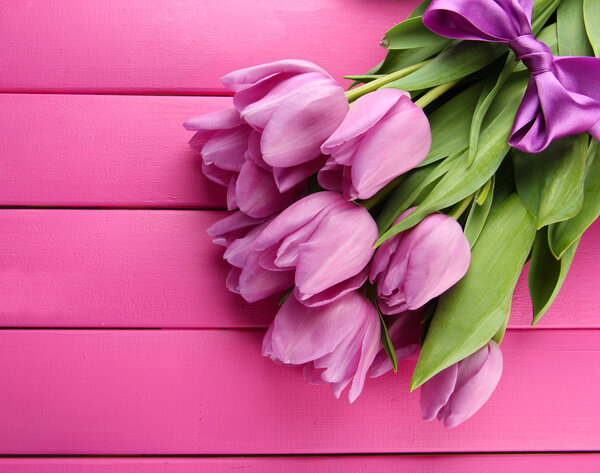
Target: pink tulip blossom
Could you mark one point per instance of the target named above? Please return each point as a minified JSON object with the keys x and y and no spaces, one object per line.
{"x":294,"y":104}
{"x":383,"y":135}
{"x":325,"y":241}
{"x":223,"y":139}
{"x":237,"y":233}
{"x":419,"y":264}
{"x":336,"y":342}
{"x":405,"y":331}
{"x":456,"y":393}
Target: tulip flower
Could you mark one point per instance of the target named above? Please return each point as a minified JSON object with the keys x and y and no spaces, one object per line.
{"x":416,"y":265}
{"x":405,"y":333}
{"x":383,"y":135}
{"x":325,"y":241}
{"x":456,"y":393}
{"x":295,"y":105}
{"x":237,"y":233}
{"x":222,"y":139}
{"x":336,"y":342}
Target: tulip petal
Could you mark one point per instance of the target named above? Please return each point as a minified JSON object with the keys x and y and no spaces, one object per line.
{"x":301,"y":124}
{"x":334,"y":292}
{"x":478,"y":376}
{"x":325,"y":261}
{"x":436,"y":392}
{"x":302,"y":334}
{"x":243,"y":78}
{"x":369,"y":348}
{"x":294,"y":217}
{"x":232,"y":227}
{"x":223,"y":119}
{"x":399,"y":142}
{"x":286,"y":178}
{"x":330,"y":176}
{"x":364,"y":114}
{"x":257,"y":283}
{"x":238,"y":251}
{"x":439,"y":257}
{"x":226,"y":149}
{"x":257,"y":195}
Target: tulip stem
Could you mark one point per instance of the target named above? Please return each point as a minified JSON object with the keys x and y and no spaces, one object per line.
{"x":357,"y":92}
{"x":459,"y":208}
{"x":434,"y":93}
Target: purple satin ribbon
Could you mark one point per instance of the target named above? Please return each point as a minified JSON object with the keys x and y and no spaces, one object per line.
{"x":563,"y":94}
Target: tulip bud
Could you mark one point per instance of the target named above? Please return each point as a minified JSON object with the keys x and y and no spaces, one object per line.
{"x":456,"y":393}
{"x":325,"y":241}
{"x":336,"y":342}
{"x":383,"y":135}
{"x":294,"y":104}
{"x":416,"y":265}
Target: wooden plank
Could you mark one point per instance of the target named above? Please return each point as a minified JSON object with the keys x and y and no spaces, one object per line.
{"x":538,"y":463}
{"x":73,"y":150}
{"x":181,"y":46}
{"x":211,"y":392}
{"x":141,"y":268}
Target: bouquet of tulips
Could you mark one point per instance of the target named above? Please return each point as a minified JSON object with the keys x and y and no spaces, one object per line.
{"x":396,"y":217}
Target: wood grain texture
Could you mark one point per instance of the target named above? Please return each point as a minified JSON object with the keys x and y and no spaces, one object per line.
{"x":538,"y":463}
{"x":151,"y":268}
{"x":116,"y":268}
{"x":181,"y":46}
{"x":211,"y":392}
{"x":110,"y":151}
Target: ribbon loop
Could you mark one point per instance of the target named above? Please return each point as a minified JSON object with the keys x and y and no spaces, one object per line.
{"x":563,"y":94}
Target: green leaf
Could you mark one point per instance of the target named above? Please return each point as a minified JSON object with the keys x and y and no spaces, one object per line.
{"x":420,"y":9}
{"x":551,"y":183}
{"x":572,"y":38}
{"x":415,"y":183}
{"x":546,"y":274}
{"x":488,"y":95}
{"x":471,"y":313}
{"x":455,"y":62}
{"x":411,"y":33}
{"x":450,"y":125}
{"x":562,"y":235}
{"x":479,"y":214}
{"x":461,"y":180}
{"x":591,"y":16}
{"x":386,"y":342}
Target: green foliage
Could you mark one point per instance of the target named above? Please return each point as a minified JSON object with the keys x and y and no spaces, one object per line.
{"x":551,"y":183}
{"x":546,"y":273}
{"x":572,"y":37}
{"x":591,"y":16}
{"x":564,"y":234}
{"x":476,"y":308}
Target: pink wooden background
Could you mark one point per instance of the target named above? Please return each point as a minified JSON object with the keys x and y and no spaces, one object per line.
{"x":111,"y":295}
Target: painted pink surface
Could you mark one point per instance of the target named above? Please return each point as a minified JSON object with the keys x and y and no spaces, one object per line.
{"x":538,"y":463}
{"x":115,"y":268}
{"x":158,"y":268}
{"x":115,"y":151}
{"x":211,"y":392}
{"x":181,"y":46}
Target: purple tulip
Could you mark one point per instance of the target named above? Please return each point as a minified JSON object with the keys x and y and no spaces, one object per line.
{"x":336,"y":342}
{"x":294,"y":104}
{"x":456,"y":393}
{"x":383,"y":135}
{"x":325,"y":241}
{"x":223,"y":139}
{"x":405,"y":332}
{"x":237,"y":233}
{"x":416,"y":265}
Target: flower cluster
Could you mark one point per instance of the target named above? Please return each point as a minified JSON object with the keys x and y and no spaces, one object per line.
{"x":295,"y":158}
{"x":397,"y":228}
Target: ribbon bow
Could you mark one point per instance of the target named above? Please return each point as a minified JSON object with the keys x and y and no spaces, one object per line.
{"x":563,"y":94}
